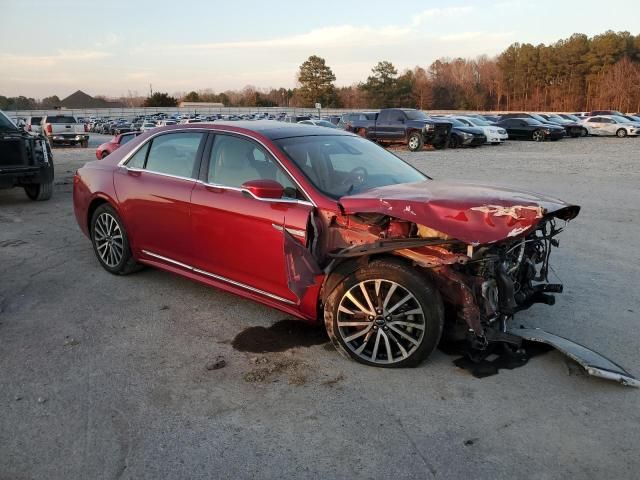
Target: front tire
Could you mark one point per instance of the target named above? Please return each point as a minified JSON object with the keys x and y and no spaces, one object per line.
{"x":415,"y":142}
{"x":454,"y":142}
{"x":584,"y":132}
{"x":538,"y":136}
{"x":110,"y":242}
{"x":385,"y":315}
{"x":621,"y":133}
{"x":39,"y":192}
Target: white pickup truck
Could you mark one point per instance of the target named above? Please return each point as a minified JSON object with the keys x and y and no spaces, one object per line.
{"x":65,"y":129}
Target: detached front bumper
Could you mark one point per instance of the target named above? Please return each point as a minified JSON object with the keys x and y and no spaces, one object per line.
{"x":595,"y":364}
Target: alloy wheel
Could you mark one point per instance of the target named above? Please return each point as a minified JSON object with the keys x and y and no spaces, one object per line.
{"x":538,"y":136}
{"x":380,"y":321}
{"x":108,"y":238}
{"x":413,"y":142}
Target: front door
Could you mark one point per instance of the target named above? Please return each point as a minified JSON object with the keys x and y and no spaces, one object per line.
{"x":239,"y":238}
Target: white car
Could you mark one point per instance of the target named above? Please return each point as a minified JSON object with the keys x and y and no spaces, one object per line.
{"x":318,"y":123}
{"x":146,"y":126}
{"x":185,"y":121}
{"x":611,"y":125}
{"x":164,"y":123}
{"x":495,"y":135}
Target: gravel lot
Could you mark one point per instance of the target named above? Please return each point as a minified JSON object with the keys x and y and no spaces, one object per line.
{"x":105,"y":377}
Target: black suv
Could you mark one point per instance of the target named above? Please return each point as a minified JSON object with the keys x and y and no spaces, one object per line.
{"x":25,"y":161}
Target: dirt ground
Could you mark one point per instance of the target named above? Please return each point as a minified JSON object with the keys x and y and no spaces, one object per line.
{"x":105,"y":377}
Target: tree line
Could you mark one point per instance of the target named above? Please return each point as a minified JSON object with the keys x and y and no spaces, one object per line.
{"x":579,"y":73}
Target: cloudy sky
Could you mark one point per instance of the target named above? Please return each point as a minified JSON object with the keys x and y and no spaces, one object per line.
{"x":116,"y":46}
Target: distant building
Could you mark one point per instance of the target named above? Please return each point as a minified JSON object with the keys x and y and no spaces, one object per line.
{"x":201,"y":104}
{"x":80,"y":99}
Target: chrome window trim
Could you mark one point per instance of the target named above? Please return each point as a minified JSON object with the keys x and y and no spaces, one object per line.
{"x":244,"y":190}
{"x":126,"y":158}
{"x":143,"y":170}
{"x":218,"y":277}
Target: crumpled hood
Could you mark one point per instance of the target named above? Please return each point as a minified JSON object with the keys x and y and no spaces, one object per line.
{"x":468,"y":212}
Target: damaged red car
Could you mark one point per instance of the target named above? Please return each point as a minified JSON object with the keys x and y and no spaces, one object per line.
{"x":326,"y":226}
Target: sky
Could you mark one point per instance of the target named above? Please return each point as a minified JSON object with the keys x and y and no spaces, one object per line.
{"x":116,"y":47}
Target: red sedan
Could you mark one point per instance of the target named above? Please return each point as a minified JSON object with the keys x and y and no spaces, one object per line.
{"x":116,"y":142}
{"x":323,"y":224}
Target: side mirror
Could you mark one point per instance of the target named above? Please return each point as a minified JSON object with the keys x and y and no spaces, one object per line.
{"x":264,"y":188}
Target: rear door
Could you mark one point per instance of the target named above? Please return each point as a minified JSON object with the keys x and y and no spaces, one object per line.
{"x":154,"y":192}
{"x":596,"y":125}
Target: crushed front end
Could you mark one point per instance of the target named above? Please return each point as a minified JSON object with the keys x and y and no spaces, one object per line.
{"x":487,"y":250}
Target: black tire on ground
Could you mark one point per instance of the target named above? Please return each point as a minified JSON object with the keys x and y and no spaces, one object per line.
{"x":408,"y":280}
{"x":84,"y":144}
{"x":454,"y":141}
{"x":621,"y":133}
{"x":415,"y":142}
{"x":538,"y":136}
{"x":584,"y":132}
{"x":39,"y":191}
{"x":107,"y":226}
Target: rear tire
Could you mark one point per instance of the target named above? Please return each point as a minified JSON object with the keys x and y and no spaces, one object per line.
{"x":111,"y":243}
{"x":415,"y":142}
{"x":621,"y":133}
{"x":405,"y":321}
{"x":584,"y":132}
{"x":454,"y":141}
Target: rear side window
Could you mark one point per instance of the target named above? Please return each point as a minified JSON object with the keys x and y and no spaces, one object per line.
{"x":174,"y":154}
{"x":137,"y":161}
{"x":126,"y":138}
{"x":35,"y":120}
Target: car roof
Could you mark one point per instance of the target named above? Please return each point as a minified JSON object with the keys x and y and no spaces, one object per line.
{"x":275,"y":130}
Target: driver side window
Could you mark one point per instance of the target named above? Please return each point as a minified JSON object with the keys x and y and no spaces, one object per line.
{"x":234,"y":161}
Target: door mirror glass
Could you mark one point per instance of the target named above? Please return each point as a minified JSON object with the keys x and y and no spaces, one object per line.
{"x":264,"y":188}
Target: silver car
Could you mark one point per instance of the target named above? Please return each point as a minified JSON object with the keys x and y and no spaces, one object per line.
{"x":611,"y":125}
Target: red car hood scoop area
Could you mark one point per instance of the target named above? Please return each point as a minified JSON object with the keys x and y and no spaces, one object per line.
{"x":469,"y":212}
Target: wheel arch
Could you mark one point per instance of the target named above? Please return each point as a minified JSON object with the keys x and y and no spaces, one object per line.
{"x":349,"y":266}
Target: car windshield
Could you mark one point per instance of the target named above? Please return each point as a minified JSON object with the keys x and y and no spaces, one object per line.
{"x":478,"y":122}
{"x":456,"y":122}
{"x":5,"y":123}
{"x":540,"y":118}
{"x":571,"y":117}
{"x":416,"y":115}
{"x":344,"y":165}
{"x":61,"y":119}
{"x":620,"y":119}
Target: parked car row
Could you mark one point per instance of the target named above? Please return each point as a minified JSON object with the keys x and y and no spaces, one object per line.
{"x":417,"y":128}
{"x":414,"y":128}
